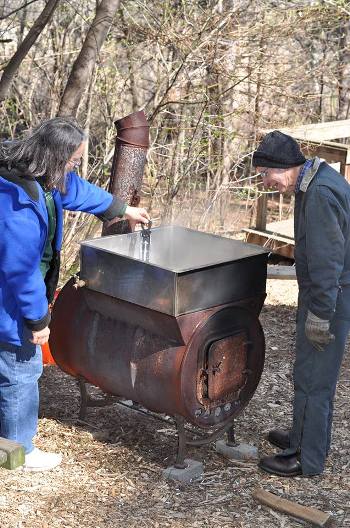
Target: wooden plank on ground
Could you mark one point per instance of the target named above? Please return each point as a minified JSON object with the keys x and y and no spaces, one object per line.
{"x":312,"y":515}
{"x":277,"y":271}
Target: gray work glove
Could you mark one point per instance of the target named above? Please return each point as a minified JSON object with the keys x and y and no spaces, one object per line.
{"x":317,"y":331}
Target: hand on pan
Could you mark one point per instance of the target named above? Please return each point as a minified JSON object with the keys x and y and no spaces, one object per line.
{"x":136,"y":215}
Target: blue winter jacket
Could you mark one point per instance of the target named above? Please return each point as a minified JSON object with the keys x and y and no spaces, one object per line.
{"x":23,"y":233}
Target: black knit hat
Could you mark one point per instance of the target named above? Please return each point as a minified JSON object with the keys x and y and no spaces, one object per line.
{"x":278,"y":150}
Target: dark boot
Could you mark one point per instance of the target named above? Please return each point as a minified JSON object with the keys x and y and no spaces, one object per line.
{"x":279,"y":438}
{"x":283,"y":466}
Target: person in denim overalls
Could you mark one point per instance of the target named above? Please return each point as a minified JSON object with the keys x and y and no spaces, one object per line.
{"x":322,"y":260}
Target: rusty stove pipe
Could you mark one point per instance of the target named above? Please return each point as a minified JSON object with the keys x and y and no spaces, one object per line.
{"x":129,"y":159}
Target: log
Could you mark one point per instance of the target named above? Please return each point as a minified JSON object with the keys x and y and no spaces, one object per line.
{"x":312,"y":515}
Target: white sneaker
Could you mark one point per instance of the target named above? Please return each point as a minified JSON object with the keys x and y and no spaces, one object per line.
{"x":38,"y":460}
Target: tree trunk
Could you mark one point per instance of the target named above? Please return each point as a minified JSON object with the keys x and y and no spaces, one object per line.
{"x":22,"y":25}
{"x":12,"y":67}
{"x":84,"y":167}
{"x":85,"y":62}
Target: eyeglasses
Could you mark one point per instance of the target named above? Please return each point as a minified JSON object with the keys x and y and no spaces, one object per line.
{"x":75,"y":162}
{"x":275,"y":170}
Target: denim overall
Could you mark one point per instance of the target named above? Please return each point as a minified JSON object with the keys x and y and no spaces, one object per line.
{"x":322,"y":257}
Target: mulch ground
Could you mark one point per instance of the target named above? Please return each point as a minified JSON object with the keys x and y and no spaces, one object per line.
{"x":111,"y":475}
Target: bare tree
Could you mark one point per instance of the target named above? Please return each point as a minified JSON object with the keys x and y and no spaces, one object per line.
{"x":85,"y":62}
{"x":24,"y":6}
{"x":11,"y":68}
{"x":210,"y":76}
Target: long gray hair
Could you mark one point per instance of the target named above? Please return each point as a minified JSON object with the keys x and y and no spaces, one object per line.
{"x":45,"y":151}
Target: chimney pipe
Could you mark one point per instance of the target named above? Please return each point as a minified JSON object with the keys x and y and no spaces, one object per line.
{"x":128,"y":164}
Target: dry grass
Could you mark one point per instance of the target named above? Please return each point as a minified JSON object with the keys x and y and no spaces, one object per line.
{"x":112,"y":471}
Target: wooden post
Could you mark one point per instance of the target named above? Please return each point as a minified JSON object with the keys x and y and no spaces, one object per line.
{"x":347,"y":173}
{"x":261,"y":213}
{"x":11,"y":454}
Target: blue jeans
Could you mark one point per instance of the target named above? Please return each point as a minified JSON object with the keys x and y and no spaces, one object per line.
{"x":315,"y":379}
{"x":20,"y":369}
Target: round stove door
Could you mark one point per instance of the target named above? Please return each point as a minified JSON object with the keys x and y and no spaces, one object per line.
{"x":222,"y":366}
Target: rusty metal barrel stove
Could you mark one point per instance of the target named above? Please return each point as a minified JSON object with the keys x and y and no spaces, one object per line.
{"x":166,"y":317}
{"x":173,"y":325}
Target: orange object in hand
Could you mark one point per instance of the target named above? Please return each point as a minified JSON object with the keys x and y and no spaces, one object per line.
{"x":47,"y":357}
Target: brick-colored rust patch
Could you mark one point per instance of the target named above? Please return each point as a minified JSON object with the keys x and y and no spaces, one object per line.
{"x":227,"y":363}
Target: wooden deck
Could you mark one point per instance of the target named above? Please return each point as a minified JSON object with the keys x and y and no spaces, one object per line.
{"x":278,"y":237}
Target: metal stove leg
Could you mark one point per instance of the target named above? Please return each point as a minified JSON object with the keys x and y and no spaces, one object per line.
{"x":231,"y":439}
{"x":87,"y":401}
{"x":83,"y":399}
{"x":181,"y":446}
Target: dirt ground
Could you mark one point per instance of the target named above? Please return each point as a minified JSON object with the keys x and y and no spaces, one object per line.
{"x":111,"y":475}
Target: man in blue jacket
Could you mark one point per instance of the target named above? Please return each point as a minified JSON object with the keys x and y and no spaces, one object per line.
{"x":37,"y":182}
{"x":322,"y":260}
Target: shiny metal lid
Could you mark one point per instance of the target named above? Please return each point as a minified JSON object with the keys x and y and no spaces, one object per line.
{"x":175,"y":248}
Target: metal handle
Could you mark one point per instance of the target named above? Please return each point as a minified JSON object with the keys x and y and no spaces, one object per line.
{"x":78,"y":282}
{"x":146,"y":231}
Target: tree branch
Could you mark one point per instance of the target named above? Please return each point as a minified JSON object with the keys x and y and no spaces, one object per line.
{"x":18,"y":9}
{"x":12,"y":67}
{"x":85,"y":62}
